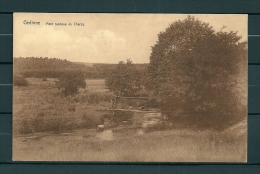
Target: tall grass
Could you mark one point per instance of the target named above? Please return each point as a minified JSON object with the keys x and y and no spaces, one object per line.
{"x":163,"y":146}
{"x":38,"y":108}
{"x":96,"y":97}
{"x":58,"y":123}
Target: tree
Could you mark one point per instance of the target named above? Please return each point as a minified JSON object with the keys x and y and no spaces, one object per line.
{"x":194,"y":69}
{"x":70,"y":82}
{"x":124,"y":79}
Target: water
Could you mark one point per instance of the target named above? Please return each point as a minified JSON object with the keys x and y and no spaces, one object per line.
{"x":140,"y":132}
{"x":106,"y":135}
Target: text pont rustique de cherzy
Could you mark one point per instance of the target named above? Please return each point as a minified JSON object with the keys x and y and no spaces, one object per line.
{"x":30,"y":22}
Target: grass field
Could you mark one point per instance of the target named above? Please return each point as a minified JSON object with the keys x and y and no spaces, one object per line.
{"x":165,"y":146}
{"x":39,"y":107}
{"x":49,"y":127}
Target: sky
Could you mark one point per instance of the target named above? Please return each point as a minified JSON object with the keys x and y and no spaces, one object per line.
{"x":104,"y":38}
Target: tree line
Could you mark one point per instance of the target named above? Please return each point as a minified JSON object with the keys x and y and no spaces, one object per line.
{"x":39,"y":67}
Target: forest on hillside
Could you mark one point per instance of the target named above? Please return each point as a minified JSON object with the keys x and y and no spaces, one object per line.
{"x":55,"y":67}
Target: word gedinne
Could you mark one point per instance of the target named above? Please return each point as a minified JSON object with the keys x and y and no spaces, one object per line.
{"x":65,"y":24}
{"x":25,"y":22}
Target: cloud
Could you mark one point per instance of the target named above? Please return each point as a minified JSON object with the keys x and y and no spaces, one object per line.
{"x":108,"y":40}
{"x":101,"y":46}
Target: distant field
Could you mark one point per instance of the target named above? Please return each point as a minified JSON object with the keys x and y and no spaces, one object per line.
{"x":92,"y":84}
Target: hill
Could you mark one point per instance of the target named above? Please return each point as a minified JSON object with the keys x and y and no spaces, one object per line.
{"x":54,"y":67}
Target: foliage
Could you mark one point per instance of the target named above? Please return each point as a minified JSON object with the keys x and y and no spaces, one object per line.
{"x":70,"y":82}
{"x":19,"y":81}
{"x":57,"y":123}
{"x":124,"y":80}
{"x":30,"y":63}
{"x":194,"y":69}
{"x":96,"y":97}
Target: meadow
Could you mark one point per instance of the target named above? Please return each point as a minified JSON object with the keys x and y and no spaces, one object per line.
{"x":163,"y":146}
{"x":39,"y":107}
{"x":49,"y":127}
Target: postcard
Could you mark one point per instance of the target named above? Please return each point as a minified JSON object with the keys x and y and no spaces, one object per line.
{"x":130,"y":87}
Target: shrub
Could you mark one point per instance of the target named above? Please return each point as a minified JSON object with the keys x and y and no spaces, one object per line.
{"x":96,"y":97}
{"x":38,"y":124}
{"x":19,"y":81}
{"x":70,"y":82}
{"x":90,"y":120}
{"x":25,"y":127}
{"x":43,"y":122}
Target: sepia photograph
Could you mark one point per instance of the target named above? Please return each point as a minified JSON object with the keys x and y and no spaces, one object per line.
{"x":126,"y":87}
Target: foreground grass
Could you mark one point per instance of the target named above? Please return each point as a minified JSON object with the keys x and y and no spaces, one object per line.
{"x":163,"y":146}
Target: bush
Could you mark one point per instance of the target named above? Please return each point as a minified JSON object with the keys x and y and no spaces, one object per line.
{"x":25,"y":127}
{"x":96,"y":97}
{"x":42,"y":124}
{"x":70,"y":82}
{"x":19,"y":81}
{"x":90,"y":120}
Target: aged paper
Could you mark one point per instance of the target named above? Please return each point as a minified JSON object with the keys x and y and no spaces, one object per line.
{"x":130,"y":87}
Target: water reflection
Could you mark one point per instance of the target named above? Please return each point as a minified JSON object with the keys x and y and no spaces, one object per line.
{"x":140,"y":132}
{"x":106,"y":135}
{"x":110,"y":135}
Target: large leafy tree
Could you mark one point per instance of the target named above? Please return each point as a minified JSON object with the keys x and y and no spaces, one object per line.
{"x":194,"y":70}
{"x":124,"y":80}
